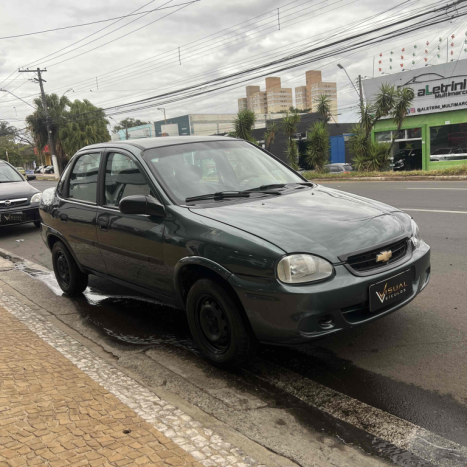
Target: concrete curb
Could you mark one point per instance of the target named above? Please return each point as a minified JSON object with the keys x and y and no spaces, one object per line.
{"x":421,"y":178}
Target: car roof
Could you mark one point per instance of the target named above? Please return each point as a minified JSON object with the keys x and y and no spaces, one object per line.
{"x":161,"y":141}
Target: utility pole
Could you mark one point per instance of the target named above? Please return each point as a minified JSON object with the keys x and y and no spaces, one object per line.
{"x":126,"y":130}
{"x":48,"y":122}
{"x":361,"y":92}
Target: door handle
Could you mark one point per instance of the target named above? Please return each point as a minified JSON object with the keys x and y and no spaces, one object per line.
{"x":103,"y":222}
{"x":63,"y":218}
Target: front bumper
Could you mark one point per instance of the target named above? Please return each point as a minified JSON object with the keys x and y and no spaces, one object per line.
{"x":31,"y":214}
{"x":285,"y":314}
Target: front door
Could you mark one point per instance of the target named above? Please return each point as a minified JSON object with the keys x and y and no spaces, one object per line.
{"x":131,"y":244}
{"x":77,"y":211}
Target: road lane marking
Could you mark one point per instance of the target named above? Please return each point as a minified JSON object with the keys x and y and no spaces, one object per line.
{"x":432,"y":210}
{"x":462,"y":189}
{"x":401,"y":433}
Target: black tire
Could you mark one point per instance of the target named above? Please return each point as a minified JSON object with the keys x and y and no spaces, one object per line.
{"x":37,"y":224}
{"x":218,"y":325}
{"x":70,"y":279}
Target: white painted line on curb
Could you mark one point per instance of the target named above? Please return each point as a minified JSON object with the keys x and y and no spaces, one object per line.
{"x":461,"y":189}
{"x":432,"y":210}
{"x":401,"y":433}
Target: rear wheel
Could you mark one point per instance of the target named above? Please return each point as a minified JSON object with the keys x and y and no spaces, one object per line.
{"x":217,"y":324}
{"x":70,"y":279}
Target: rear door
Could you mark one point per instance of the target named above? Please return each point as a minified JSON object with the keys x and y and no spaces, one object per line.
{"x":131,"y":244}
{"x":77,"y":210}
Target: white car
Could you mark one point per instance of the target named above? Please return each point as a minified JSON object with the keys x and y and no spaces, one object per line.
{"x":449,"y":154}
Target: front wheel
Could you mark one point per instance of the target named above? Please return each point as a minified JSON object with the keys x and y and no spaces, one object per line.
{"x":37,"y":224}
{"x":217,"y":324}
{"x":70,"y":279}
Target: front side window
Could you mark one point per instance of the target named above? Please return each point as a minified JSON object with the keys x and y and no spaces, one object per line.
{"x":123,"y":178}
{"x":8,"y":174}
{"x":195,"y":169}
{"x":83,"y":178}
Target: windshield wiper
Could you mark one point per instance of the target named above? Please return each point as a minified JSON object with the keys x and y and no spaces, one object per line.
{"x":275,"y":186}
{"x":219,"y":195}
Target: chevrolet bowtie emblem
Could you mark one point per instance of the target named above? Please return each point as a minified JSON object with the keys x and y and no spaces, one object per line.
{"x":384,"y":256}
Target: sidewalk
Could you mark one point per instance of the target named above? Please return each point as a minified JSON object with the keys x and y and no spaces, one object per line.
{"x":60,"y":404}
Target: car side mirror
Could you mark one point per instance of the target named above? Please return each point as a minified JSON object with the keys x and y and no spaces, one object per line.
{"x":30,"y":177}
{"x":140,"y":204}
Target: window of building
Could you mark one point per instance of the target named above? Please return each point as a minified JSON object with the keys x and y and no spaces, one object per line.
{"x":448,"y":142}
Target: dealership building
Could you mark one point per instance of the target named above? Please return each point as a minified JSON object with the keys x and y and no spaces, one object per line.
{"x":434,"y":134}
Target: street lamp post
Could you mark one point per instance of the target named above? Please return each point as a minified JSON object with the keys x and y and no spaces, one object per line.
{"x":360,"y":94}
{"x":163,"y":110}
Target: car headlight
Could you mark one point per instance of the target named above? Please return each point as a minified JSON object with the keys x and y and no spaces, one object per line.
{"x":415,"y":234}
{"x":296,"y":269}
{"x":36,"y":198}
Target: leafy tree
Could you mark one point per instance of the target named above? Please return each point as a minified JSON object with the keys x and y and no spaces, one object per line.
{"x":318,"y":145}
{"x":323,"y":106}
{"x":127,"y":123}
{"x":243,"y":125}
{"x":38,"y":127}
{"x":18,"y":153}
{"x":6,"y":129}
{"x":83,"y":124}
{"x":295,"y":109}
{"x":270,"y":135}
{"x":289,"y":127}
{"x":389,"y":102}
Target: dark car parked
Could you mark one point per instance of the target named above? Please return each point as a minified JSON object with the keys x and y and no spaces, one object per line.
{"x":219,"y":227}
{"x":408,"y":159}
{"x":19,"y":201}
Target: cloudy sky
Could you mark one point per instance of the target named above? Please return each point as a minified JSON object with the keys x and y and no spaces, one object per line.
{"x":120,"y":61}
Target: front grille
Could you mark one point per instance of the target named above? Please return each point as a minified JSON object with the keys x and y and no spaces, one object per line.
{"x":13,"y":203}
{"x":367,"y":261}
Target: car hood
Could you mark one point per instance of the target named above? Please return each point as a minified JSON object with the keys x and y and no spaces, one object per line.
{"x":323,"y":221}
{"x":13,"y":190}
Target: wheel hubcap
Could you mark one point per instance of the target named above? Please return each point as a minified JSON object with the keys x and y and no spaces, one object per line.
{"x":214,"y":324}
{"x":62,"y":268}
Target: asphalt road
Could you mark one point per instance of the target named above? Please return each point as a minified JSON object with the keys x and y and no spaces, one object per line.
{"x":411,"y":364}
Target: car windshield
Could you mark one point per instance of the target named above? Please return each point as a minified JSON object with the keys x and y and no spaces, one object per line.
{"x":8,"y":174}
{"x":442,"y":151}
{"x":195,"y":169}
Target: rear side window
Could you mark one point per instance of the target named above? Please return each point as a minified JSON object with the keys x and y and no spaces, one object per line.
{"x":83,"y":178}
{"x":123,"y":178}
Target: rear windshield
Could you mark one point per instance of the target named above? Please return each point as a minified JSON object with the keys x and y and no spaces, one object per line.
{"x":195,"y":169}
{"x":8,"y":174}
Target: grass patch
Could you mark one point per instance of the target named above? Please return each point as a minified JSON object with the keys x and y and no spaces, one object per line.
{"x":457,"y":170}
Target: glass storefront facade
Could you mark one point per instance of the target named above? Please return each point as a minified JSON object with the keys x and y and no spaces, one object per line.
{"x":426,"y":142}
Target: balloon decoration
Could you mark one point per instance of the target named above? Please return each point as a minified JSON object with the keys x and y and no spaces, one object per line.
{"x":420,"y":56}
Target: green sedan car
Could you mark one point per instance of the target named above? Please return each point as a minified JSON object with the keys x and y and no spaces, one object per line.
{"x":221,"y":228}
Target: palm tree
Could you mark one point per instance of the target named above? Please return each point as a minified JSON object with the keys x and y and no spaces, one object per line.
{"x":243,"y":125}
{"x":270,"y":135}
{"x":323,"y":107}
{"x":289,"y":127}
{"x":403,"y":101}
{"x":85,"y":124}
{"x":6,"y":129}
{"x":318,"y":145}
{"x":38,"y":127}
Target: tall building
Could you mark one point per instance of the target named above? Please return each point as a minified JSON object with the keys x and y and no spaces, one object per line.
{"x":274,"y":99}
{"x":316,"y":86}
{"x":301,"y":102}
{"x":258,"y":103}
{"x":242,"y":104}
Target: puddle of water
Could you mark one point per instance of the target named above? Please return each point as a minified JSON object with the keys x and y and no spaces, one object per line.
{"x":127,"y":319}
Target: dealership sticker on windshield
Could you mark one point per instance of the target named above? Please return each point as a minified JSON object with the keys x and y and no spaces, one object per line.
{"x":390,"y":291}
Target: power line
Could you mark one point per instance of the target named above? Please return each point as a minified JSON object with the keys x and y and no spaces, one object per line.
{"x":292,"y":61}
{"x":89,"y":24}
